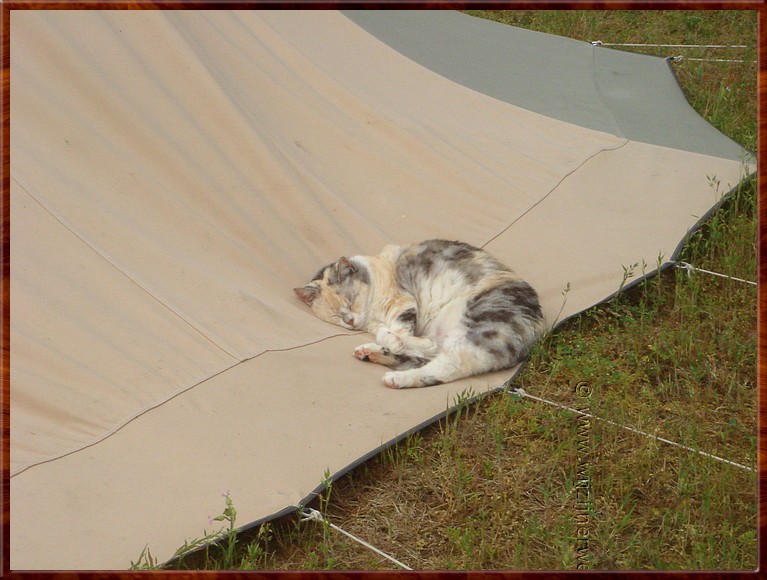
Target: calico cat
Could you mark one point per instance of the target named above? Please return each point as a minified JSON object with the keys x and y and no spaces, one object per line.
{"x":440,"y":310}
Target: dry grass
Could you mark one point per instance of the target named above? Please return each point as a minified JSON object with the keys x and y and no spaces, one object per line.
{"x":511,"y":483}
{"x":496,"y":485}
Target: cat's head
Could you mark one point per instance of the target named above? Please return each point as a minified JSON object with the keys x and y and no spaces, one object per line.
{"x":339,"y":293}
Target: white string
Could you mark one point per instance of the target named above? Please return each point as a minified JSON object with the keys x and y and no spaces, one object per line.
{"x":521,"y":392}
{"x":689,"y":268}
{"x":313,"y":515}
{"x":600,"y":43}
{"x":680,"y":58}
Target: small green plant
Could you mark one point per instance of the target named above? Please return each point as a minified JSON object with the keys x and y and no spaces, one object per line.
{"x":628,"y":273}
{"x":407,"y":450}
{"x":321,"y":554}
{"x":327,"y":483}
{"x":464,"y":540}
{"x":673,"y":355}
{"x":555,"y":322}
{"x":462,"y":403}
{"x":325,"y":555}
{"x":257,"y":555}
{"x":224,"y":539}
{"x":228,"y":535}
{"x":145,"y":561}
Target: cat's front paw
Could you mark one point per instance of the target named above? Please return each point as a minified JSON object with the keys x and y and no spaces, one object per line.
{"x":390,"y":380}
{"x":390,"y":341}
{"x":399,"y":380}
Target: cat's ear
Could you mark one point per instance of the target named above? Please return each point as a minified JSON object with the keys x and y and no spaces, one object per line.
{"x":345,"y":268}
{"x":307,"y":293}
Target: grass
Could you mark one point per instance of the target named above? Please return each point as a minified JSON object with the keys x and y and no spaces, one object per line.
{"x":511,"y":483}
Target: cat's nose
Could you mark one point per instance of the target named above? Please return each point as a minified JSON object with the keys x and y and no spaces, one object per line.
{"x":348,"y":319}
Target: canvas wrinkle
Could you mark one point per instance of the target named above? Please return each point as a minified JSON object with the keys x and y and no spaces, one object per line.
{"x":125,"y":220}
{"x":319,"y":86}
{"x":597,"y":90}
{"x":229,"y":202}
{"x":385,"y":125}
{"x":280,"y":76}
{"x":187,"y":159}
{"x":122,"y":103}
{"x":282,"y":148}
{"x":283,"y":159}
{"x":324,"y":196}
{"x":405,"y":162}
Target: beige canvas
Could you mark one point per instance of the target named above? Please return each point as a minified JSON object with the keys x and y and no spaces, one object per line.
{"x":175,"y":173}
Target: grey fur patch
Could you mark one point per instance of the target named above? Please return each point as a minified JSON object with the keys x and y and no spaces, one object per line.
{"x":428,"y":381}
{"x":497,"y":318}
{"x":504,"y":304}
{"x":408,"y":317}
{"x":405,"y":362}
{"x":361,"y":272}
{"x":437,"y":255}
{"x":525,"y":297}
{"x":337,"y":275}
{"x":400,"y":362}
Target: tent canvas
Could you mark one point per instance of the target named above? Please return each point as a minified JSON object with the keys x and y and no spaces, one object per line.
{"x":175,"y":173}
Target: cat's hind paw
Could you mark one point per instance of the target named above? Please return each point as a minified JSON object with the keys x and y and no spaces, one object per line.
{"x":375,"y":353}
{"x":364,"y":351}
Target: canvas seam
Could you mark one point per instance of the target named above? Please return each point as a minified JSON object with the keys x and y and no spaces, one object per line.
{"x":121,"y":423}
{"x":106,"y":258}
{"x":118,"y":427}
{"x":553,"y":189}
{"x":110,"y":432}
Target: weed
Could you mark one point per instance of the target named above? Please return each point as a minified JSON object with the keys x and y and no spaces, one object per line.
{"x":223,"y":541}
{"x":495,"y":484}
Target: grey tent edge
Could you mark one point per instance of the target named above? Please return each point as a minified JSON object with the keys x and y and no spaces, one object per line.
{"x":479,"y":57}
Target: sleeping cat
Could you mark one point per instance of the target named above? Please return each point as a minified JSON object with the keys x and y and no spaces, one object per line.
{"x":440,"y":310}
